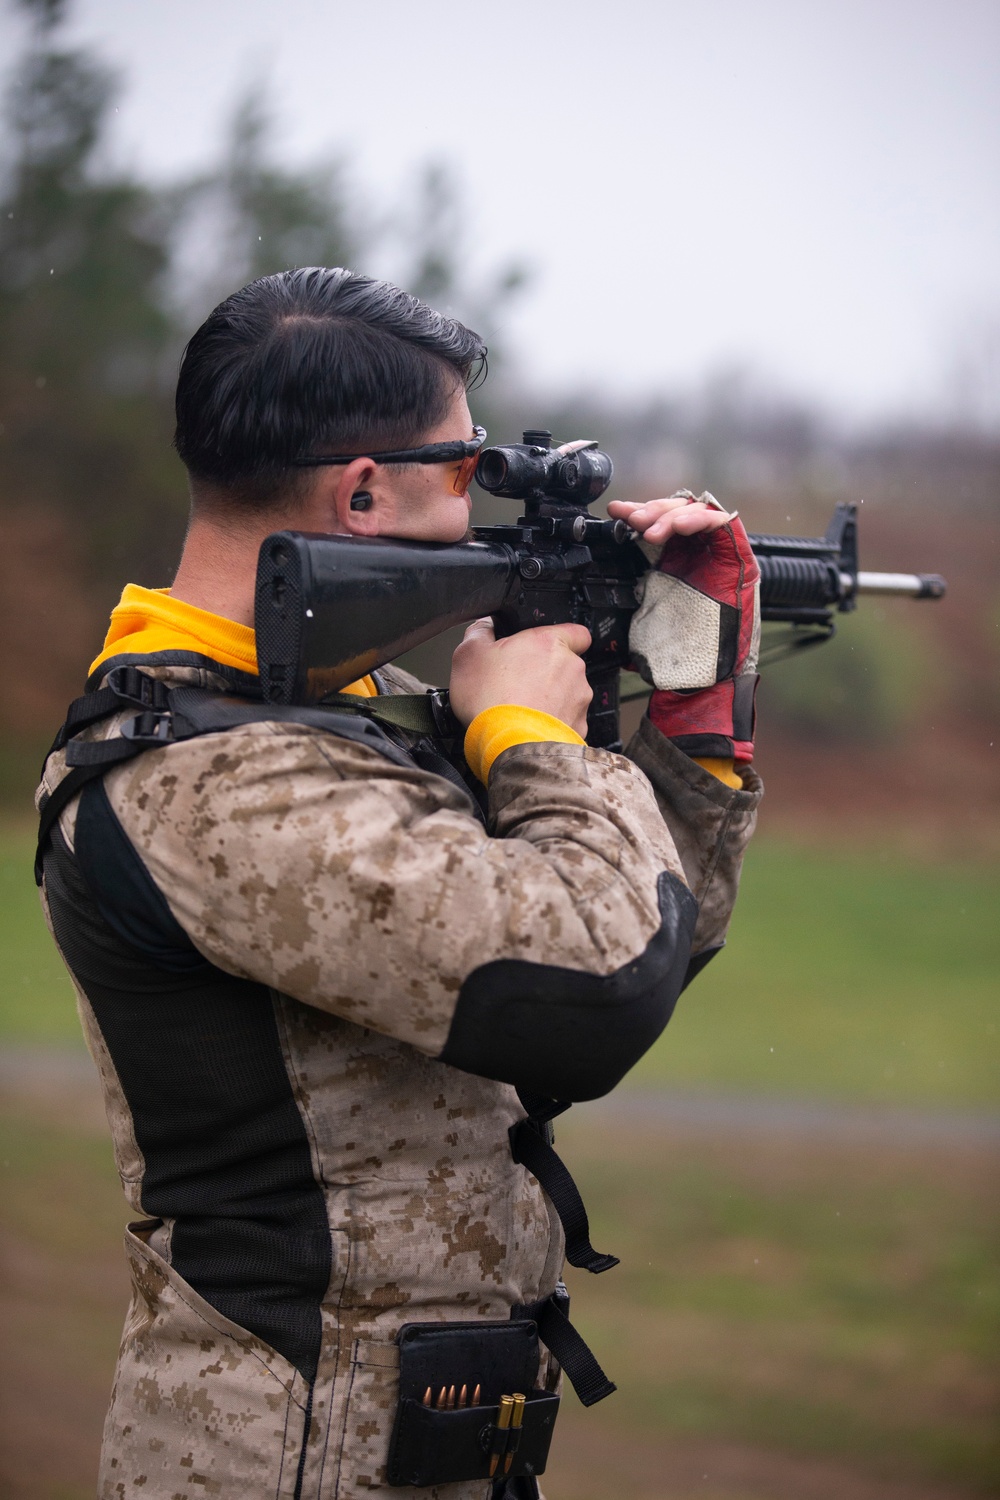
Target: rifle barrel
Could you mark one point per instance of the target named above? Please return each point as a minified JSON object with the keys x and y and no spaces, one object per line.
{"x":909,"y":585}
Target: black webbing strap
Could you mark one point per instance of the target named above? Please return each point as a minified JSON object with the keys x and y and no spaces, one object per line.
{"x":533,"y":1151}
{"x":124,"y":687}
{"x":524,"y":1487}
{"x":531,"y":1146}
{"x":165,"y":716}
{"x":559,"y":1336}
{"x":88,"y":761}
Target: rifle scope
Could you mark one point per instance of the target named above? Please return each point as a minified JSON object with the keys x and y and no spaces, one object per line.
{"x":576,"y":473}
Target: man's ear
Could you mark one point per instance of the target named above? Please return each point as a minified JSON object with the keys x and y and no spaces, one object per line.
{"x":330,"y":503}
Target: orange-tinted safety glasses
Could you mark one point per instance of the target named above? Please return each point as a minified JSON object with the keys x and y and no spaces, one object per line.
{"x":464,"y":452}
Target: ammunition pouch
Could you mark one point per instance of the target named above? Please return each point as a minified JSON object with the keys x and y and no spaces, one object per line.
{"x":468,"y":1407}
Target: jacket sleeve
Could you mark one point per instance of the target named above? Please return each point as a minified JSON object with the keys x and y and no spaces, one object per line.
{"x":710,"y":826}
{"x":546,"y":951}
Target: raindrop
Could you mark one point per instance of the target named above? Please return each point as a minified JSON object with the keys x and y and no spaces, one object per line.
{"x":40,"y":382}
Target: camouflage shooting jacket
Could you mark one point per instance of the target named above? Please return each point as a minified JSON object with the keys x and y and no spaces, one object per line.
{"x":312,"y":978}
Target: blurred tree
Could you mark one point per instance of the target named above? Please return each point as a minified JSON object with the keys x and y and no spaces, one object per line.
{"x":249,"y":217}
{"x":83,"y":331}
{"x":430,"y":229}
{"x":429,"y":237}
{"x":865,"y":687}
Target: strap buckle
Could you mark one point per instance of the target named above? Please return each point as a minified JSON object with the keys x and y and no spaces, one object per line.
{"x":445,"y":722}
{"x":149,"y":728}
{"x":133,"y":686}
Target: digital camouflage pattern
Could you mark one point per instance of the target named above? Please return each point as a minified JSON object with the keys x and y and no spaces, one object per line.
{"x":363,"y":893}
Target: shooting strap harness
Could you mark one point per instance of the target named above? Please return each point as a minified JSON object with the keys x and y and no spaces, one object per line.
{"x":166,"y":715}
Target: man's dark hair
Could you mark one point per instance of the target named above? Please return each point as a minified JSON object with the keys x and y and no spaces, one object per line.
{"x":308,"y":361}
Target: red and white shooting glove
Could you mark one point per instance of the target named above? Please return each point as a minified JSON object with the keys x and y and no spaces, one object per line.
{"x":696,"y":638}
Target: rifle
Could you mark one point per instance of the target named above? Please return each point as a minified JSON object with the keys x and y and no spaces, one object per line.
{"x":330,"y":609}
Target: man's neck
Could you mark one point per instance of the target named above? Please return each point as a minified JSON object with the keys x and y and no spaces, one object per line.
{"x":218,"y":568}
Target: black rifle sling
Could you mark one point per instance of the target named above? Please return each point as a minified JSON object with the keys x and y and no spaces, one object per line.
{"x":420,"y":713}
{"x":531,"y":1146}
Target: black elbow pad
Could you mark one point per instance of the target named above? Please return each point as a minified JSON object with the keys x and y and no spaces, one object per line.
{"x":565,"y":1033}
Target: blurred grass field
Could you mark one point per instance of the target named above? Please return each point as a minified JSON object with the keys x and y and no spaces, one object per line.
{"x":808,"y":1307}
{"x":854,"y":976}
{"x":793,"y":1319}
{"x":847,"y":976}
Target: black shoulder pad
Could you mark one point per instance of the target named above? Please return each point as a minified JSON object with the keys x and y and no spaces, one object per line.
{"x":566,"y":1033}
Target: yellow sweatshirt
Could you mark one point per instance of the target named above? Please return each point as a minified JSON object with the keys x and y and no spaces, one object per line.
{"x":148,"y":620}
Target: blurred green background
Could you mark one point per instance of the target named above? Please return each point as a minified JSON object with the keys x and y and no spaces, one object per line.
{"x":800,"y":1177}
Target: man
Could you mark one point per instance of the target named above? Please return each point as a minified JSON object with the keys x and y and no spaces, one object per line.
{"x":328,"y":1000}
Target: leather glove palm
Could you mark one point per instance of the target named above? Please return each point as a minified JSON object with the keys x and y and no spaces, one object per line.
{"x":696,"y":638}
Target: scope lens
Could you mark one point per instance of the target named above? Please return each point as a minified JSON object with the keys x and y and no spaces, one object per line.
{"x":491,"y":470}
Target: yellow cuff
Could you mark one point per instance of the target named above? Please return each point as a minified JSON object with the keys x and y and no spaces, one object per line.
{"x":722,"y":768}
{"x":496,"y":729}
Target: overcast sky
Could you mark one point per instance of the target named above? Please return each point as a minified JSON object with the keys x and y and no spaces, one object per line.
{"x":808,"y":187}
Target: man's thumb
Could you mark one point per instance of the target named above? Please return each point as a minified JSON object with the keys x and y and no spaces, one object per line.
{"x":480,"y":630}
{"x":576,"y":637}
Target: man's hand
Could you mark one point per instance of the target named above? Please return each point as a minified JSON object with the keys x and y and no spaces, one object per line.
{"x":696,"y":634}
{"x":539,"y":668}
{"x":677,"y":515}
